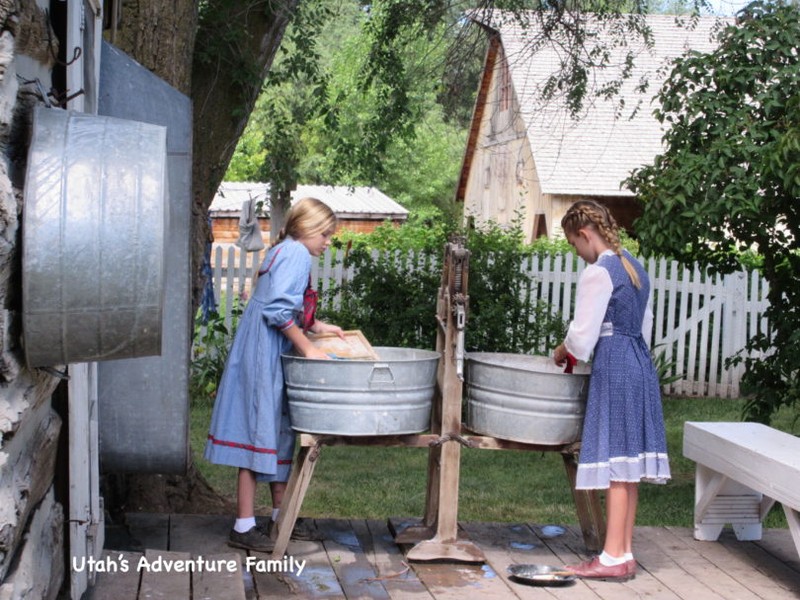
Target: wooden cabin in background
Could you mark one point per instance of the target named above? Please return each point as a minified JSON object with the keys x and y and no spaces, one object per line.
{"x":532,"y":157}
{"x":359,"y":209}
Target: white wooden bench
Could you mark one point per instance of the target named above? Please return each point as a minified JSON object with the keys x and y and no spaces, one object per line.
{"x":742,"y":470}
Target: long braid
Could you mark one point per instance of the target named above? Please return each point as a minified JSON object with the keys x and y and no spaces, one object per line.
{"x":587,"y":213}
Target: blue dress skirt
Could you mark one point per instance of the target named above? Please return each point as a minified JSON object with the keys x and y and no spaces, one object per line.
{"x":624,"y":438}
{"x":250,"y":425}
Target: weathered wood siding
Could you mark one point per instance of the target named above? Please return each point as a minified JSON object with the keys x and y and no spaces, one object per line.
{"x":31,"y":517}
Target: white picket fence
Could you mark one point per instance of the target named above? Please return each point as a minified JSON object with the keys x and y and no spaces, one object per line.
{"x":701,"y":320}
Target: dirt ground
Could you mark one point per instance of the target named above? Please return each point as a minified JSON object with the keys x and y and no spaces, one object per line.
{"x":185,"y":494}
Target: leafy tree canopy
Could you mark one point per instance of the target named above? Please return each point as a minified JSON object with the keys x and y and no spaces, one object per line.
{"x":729,"y":179}
{"x":380,"y":93}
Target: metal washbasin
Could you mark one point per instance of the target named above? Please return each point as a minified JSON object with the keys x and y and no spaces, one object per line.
{"x":93,"y":239}
{"x":390,"y":396}
{"x":525,"y":398}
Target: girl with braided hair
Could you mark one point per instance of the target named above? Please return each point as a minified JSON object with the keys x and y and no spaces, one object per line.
{"x":623,"y":440}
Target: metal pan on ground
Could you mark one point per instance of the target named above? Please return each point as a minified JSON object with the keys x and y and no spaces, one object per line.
{"x":541,"y":575}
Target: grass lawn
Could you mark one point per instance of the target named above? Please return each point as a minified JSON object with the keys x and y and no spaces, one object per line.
{"x":366,"y":482}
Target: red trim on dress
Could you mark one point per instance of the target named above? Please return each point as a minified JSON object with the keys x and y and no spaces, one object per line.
{"x":249,"y":447}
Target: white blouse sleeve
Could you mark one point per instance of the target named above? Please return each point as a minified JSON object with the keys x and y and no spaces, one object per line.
{"x":591,"y":301}
{"x":647,"y":324}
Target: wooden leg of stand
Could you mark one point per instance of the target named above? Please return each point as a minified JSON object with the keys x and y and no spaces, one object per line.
{"x":587,"y":503}
{"x":293,"y":498}
{"x":447,"y":525}
{"x":432,"y":493}
{"x":445,"y":545}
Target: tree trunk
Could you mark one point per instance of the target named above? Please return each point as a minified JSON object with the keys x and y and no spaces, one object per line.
{"x":224,"y":92}
{"x":220,"y":62}
{"x":159,"y":35}
{"x":220,"y":59}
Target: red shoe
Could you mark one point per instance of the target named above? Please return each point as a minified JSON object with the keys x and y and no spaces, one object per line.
{"x":594,"y":569}
{"x":631,"y":565}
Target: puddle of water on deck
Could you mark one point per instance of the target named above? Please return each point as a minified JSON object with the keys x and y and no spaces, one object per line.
{"x":249,"y":584}
{"x":320,"y":579}
{"x":346,"y":538}
{"x":488,"y":572}
{"x":522,"y":546}
{"x":551,"y":531}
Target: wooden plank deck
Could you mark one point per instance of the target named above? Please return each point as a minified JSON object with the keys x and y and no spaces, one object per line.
{"x":359,"y":559}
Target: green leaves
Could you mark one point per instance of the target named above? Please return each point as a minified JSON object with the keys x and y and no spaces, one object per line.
{"x":729,"y":176}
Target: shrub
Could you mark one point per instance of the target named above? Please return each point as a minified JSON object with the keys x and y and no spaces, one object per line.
{"x":212,"y":341}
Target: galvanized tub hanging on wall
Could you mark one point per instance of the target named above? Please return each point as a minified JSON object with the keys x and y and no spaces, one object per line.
{"x":390,"y":396}
{"x":93,"y":239}
{"x":525,"y":398}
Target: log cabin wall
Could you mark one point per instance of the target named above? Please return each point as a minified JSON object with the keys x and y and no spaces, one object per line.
{"x":32,"y":529}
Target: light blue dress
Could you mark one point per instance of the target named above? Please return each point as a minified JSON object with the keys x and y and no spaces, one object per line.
{"x":624,"y":438}
{"x":250,"y":425}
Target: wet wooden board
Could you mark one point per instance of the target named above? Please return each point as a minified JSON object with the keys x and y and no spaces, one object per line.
{"x":224,"y":583}
{"x":398,"y":578}
{"x":118,"y":585}
{"x":356,"y":575}
{"x":570,"y":549}
{"x":672,"y":565}
{"x":158,"y":583}
{"x":318,"y":579}
{"x":209,"y":532}
{"x":265,"y":579}
{"x":354,"y":346}
{"x":507,"y":544}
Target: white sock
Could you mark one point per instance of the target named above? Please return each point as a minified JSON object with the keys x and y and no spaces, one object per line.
{"x":611,"y":561}
{"x":275,"y":512}
{"x":245,"y":524}
{"x":628,"y":556}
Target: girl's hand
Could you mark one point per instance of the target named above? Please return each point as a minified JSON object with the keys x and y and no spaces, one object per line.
{"x":314,"y":352}
{"x":560,"y":354}
{"x":322,"y":327}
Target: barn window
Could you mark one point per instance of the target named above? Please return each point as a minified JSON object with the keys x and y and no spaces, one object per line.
{"x":505,"y":85}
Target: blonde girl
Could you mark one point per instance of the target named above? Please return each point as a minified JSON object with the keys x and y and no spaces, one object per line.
{"x":624,"y":440}
{"x":250,"y":426}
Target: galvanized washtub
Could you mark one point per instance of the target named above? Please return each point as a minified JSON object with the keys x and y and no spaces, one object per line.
{"x":525,"y":398}
{"x":389,"y":396}
{"x":93,"y":239}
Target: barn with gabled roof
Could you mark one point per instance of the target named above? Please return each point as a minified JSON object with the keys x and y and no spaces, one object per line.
{"x":531,"y":157}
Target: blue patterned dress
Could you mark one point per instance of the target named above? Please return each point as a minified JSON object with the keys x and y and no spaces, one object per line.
{"x":250,"y":425}
{"x":623,"y":432}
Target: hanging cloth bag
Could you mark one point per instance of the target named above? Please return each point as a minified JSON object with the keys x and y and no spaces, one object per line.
{"x":250,"y":238}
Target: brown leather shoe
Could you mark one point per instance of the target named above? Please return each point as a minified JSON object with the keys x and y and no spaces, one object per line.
{"x":252,"y":539}
{"x":594,"y":569}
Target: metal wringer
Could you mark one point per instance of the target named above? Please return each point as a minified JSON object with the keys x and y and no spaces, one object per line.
{"x":437,"y":537}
